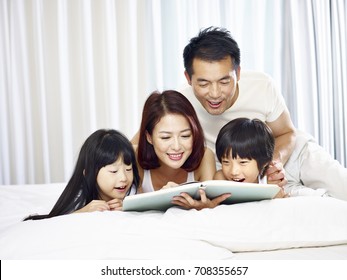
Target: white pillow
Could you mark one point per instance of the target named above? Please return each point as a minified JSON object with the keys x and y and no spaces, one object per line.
{"x":102,"y":235}
{"x":270,"y":224}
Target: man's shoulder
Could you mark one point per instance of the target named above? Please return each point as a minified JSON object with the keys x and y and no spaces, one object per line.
{"x":256,"y":81}
{"x":254,"y":75}
{"x":185,"y":89}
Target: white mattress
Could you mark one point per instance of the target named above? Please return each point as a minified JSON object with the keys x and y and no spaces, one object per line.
{"x":293,"y":228}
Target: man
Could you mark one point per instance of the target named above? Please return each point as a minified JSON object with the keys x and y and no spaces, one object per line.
{"x":219,"y":93}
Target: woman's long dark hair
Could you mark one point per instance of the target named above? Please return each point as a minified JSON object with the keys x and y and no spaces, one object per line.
{"x":157,"y":106}
{"x":101,"y":148}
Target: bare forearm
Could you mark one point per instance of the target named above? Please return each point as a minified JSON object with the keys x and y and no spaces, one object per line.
{"x":284,"y":146}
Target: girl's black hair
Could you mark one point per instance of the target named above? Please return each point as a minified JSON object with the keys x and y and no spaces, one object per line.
{"x":103,"y":147}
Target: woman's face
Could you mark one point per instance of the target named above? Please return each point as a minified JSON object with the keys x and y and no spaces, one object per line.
{"x":114,"y":180}
{"x":240,"y":169}
{"x":172,"y":140}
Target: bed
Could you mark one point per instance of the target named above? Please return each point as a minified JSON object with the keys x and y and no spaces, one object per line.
{"x":312,"y":228}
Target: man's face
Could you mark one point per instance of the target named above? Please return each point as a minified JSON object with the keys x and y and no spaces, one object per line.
{"x":215,"y":84}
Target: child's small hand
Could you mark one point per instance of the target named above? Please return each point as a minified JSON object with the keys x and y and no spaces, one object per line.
{"x":115,"y":204}
{"x":94,"y":205}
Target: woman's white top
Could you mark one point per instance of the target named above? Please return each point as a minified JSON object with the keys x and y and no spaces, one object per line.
{"x":147,"y":185}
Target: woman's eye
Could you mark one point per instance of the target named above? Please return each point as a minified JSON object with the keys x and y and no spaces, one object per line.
{"x":186,"y":136}
{"x":129,"y":169}
{"x":113,"y":171}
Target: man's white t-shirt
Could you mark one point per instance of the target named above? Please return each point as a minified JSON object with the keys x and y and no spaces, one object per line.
{"x":147,"y":184}
{"x":259,"y":97}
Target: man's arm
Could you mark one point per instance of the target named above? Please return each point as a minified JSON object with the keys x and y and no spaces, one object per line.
{"x":285,"y":137}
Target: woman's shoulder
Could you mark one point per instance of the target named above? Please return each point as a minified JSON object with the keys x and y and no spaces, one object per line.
{"x":208,"y":154}
{"x":208,"y":157}
{"x":207,"y":167}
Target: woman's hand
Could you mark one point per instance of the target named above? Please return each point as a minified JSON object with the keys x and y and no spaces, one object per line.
{"x":170,"y":185}
{"x":186,"y":201}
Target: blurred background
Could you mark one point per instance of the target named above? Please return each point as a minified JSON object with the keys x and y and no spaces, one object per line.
{"x":70,"y":67}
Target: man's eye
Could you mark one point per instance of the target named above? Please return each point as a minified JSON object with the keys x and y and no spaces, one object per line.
{"x":165,"y":138}
{"x":225,"y":82}
{"x":203,"y":84}
{"x":113,"y":171}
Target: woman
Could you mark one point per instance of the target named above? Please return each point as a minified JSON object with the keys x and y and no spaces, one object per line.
{"x":171,"y":147}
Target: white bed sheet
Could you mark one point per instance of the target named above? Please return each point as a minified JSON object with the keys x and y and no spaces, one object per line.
{"x":293,"y":228}
{"x":338,"y":252}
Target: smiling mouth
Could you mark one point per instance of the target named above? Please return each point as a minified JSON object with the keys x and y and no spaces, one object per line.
{"x":120,"y":188}
{"x":214,"y":104}
{"x":238,"y":180}
{"x":175,"y":156}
